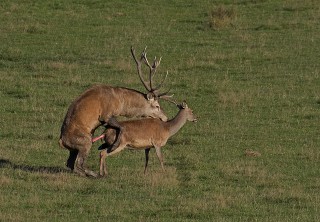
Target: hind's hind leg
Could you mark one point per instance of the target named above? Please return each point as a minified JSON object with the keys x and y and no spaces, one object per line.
{"x":113,"y":123}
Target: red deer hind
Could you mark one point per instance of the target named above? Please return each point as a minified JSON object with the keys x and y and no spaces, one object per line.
{"x":99,"y":105}
{"x":143,"y":134}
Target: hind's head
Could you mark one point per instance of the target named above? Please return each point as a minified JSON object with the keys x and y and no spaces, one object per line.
{"x":187,"y":112}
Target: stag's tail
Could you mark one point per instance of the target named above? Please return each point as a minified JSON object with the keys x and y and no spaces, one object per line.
{"x":61,"y":144}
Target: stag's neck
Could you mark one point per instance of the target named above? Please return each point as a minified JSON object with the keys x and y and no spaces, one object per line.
{"x":133,"y":103}
{"x":176,"y":123}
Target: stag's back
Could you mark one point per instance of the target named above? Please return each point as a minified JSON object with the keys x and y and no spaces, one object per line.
{"x":99,"y":100}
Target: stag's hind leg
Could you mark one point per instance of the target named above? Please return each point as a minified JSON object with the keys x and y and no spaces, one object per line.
{"x":80,"y":166}
{"x":83,"y":145}
{"x":72,"y":158}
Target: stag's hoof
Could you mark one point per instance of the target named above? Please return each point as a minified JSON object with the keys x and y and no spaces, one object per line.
{"x":85,"y":172}
{"x":91,"y":174}
{"x":70,"y":166}
{"x":79,"y":172}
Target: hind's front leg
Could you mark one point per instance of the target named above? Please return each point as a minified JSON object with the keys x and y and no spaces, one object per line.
{"x":159,"y":154}
{"x":147,"y":159}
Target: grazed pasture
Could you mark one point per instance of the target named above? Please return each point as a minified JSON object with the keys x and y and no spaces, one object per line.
{"x":248,"y":69}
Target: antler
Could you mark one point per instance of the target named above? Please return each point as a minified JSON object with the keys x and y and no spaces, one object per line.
{"x":168,"y":98}
{"x":152,"y":71}
{"x":139,"y":68}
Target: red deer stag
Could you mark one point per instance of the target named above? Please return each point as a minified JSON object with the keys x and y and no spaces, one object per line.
{"x":99,"y":105}
{"x":144,"y":134}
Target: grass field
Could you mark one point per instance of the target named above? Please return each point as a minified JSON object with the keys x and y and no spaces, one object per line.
{"x":249,"y":70}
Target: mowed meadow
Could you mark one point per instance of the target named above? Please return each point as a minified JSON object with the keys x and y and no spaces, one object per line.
{"x":248,"y":69}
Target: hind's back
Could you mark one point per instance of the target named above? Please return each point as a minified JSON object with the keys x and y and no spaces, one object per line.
{"x":140,"y":133}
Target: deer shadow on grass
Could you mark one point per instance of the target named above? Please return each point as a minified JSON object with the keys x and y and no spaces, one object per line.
{"x":4,"y":163}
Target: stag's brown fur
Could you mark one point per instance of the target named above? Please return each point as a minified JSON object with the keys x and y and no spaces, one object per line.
{"x":143,"y":134}
{"x":96,"y":106}
{"x":99,"y":105}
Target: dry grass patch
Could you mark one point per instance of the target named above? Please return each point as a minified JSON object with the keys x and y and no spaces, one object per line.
{"x":221,"y":17}
{"x":231,"y":98}
{"x":249,"y":171}
{"x":59,"y":181}
{"x":5,"y":181}
{"x":158,"y":178}
{"x":123,"y":65}
{"x":252,"y":153}
{"x":43,"y":67}
{"x":222,"y":201}
{"x":61,"y":65}
{"x":279,"y":195}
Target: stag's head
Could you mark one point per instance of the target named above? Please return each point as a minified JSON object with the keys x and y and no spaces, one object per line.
{"x":187,"y":112}
{"x":153,"y":108}
{"x":153,"y":95}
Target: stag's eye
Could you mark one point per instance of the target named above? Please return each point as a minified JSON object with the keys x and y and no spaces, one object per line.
{"x":158,"y":107}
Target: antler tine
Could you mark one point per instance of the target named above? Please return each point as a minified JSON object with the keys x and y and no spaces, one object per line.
{"x":164,"y":94}
{"x":156,"y":63}
{"x":144,"y":51}
{"x":145,"y":59}
{"x":139,"y":67}
{"x":160,"y":85}
{"x":152,"y":70}
{"x":169,"y":99}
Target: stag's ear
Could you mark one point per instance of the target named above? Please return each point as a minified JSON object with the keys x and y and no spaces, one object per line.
{"x":150,"y":96}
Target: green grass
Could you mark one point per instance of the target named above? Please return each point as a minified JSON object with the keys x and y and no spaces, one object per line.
{"x":253,"y":82}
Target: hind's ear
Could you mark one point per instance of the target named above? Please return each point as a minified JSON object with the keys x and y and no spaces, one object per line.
{"x":184,"y":104}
